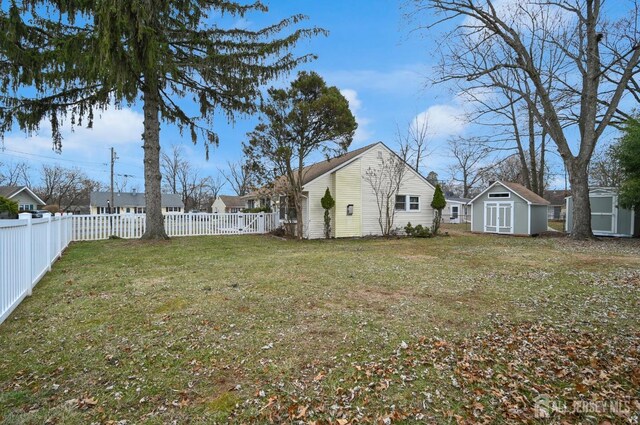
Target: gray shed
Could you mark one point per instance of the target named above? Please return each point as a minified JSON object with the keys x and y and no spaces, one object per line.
{"x":607,"y":217}
{"x":508,"y":208}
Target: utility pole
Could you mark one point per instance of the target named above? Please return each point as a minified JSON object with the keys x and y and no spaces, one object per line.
{"x":113,"y":160}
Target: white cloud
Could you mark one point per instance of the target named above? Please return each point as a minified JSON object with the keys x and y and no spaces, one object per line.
{"x":406,"y":80}
{"x":363,"y":134}
{"x":84,"y":148}
{"x":113,"y":127}
{"x":444,"y":119}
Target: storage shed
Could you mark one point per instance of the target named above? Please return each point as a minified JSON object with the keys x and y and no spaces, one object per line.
{"x":508,"y":208}
{"x":607,"y":217}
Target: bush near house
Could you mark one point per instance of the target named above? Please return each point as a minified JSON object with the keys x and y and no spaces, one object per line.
{"x":417,"y":232}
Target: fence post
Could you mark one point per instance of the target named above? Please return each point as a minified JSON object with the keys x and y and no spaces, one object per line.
{"x":261,"y":219}
{"x":59,"y":231}
{"x":49,"y":253}
{"x":240,"y":222}
{"x":27,"y":251}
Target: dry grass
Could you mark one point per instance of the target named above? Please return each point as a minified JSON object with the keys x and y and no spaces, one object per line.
{"x":206,"y":329}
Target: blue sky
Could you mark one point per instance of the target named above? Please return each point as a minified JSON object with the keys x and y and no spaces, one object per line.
{"x":370,"y":54}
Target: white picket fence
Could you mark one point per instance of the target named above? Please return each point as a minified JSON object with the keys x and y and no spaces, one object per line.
{"x":28,"y":248}
{"x":131,"y":226}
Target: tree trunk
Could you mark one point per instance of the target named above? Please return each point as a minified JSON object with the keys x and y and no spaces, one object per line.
{"x":152,"y":177}
{"x":578,"y":176}
{"x":299,"y":219}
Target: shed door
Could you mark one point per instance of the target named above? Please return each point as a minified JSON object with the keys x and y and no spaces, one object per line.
{"x":603,"y":214}
{"x":498,"y":217}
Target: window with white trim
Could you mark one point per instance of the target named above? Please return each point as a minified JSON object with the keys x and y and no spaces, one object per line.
{"x":26,"y":207}
{"x":414,"y":203}
{"x":500,"y":195}
{"x":407,"y":203}
{"x":174,"y":209}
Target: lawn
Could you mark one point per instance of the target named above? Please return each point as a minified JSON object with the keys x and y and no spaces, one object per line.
{"x":465,"y":328}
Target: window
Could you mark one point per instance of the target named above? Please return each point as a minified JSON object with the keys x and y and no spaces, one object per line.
{"x":407,"y":203}
{"x":350,"y":209}
{"x":174,"y":209}
{"x":286,"y":209}
{"x":500,"y":195}
{"x":251,"y":204}
{"x":26,"y":207}
{"x":140,"y":210}
{"x":454,"y":212}
{"x":414,"y":203}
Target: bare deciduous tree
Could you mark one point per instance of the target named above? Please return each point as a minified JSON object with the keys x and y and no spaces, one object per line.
{"x":413,"y":143}
{"x":65,"y":187}
{"x":240,"y":176}
{"x":385,"y":182}
{"x":578,"y":64}
{"x":14,"y":174}
{"x":605,"y":169}
{"x":469,"y":156}
{"x":169,"y":165}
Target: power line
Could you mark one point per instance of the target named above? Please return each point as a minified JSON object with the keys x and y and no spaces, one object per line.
{"x":51,"y":157}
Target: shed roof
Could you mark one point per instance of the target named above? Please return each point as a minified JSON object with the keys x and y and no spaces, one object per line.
{"x":519,"y":190}
{"x":525,"y":193}
{"x":133,"y":199}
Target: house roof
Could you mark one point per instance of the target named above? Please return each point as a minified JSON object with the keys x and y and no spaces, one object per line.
{"x":456,"y":199}
{"x":132,"y":199}
{"x":313,"y":171}
{"x":556,"y":197}
{"x":232,"y":201}
{"x":519,"y":190}
{"x":11,"y":191}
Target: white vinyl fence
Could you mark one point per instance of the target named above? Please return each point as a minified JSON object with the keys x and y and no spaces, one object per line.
{"x":131,"y":226}
{"x":28,"y":248}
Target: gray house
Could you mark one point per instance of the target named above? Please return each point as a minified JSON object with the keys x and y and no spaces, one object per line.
{"x":607,"y":217}
{"x":508,"y":208}
{"x":132,"y":203}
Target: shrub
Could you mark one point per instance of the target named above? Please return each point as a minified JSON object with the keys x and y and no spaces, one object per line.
{"x":327,"y":203}
{"x":417,"y":232}
{"x":8,"y":208}
{"x":438,"y":204}
{"x":256,"y":210}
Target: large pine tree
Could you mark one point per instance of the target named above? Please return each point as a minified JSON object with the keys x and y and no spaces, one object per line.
{"x":82,"y":56}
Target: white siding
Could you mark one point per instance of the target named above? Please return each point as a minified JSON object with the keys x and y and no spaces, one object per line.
{"x":218,"y":206}
{"x":314,"y":229}
{"x":412,"y":185}
{"x":348,"y":182}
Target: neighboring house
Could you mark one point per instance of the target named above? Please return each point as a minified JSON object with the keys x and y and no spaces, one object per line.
{"x":457,"y":210}
{"x":23,"y":196}
{"x":356,"y":212}
{"x":509,"y":208}
{"x":607,"y":217}
{"x":557,"y":203}
{"x":131,"y":203}
{"x":228,"y":204}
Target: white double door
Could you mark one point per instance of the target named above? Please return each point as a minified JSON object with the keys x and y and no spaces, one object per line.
{"x":498,"y":217}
